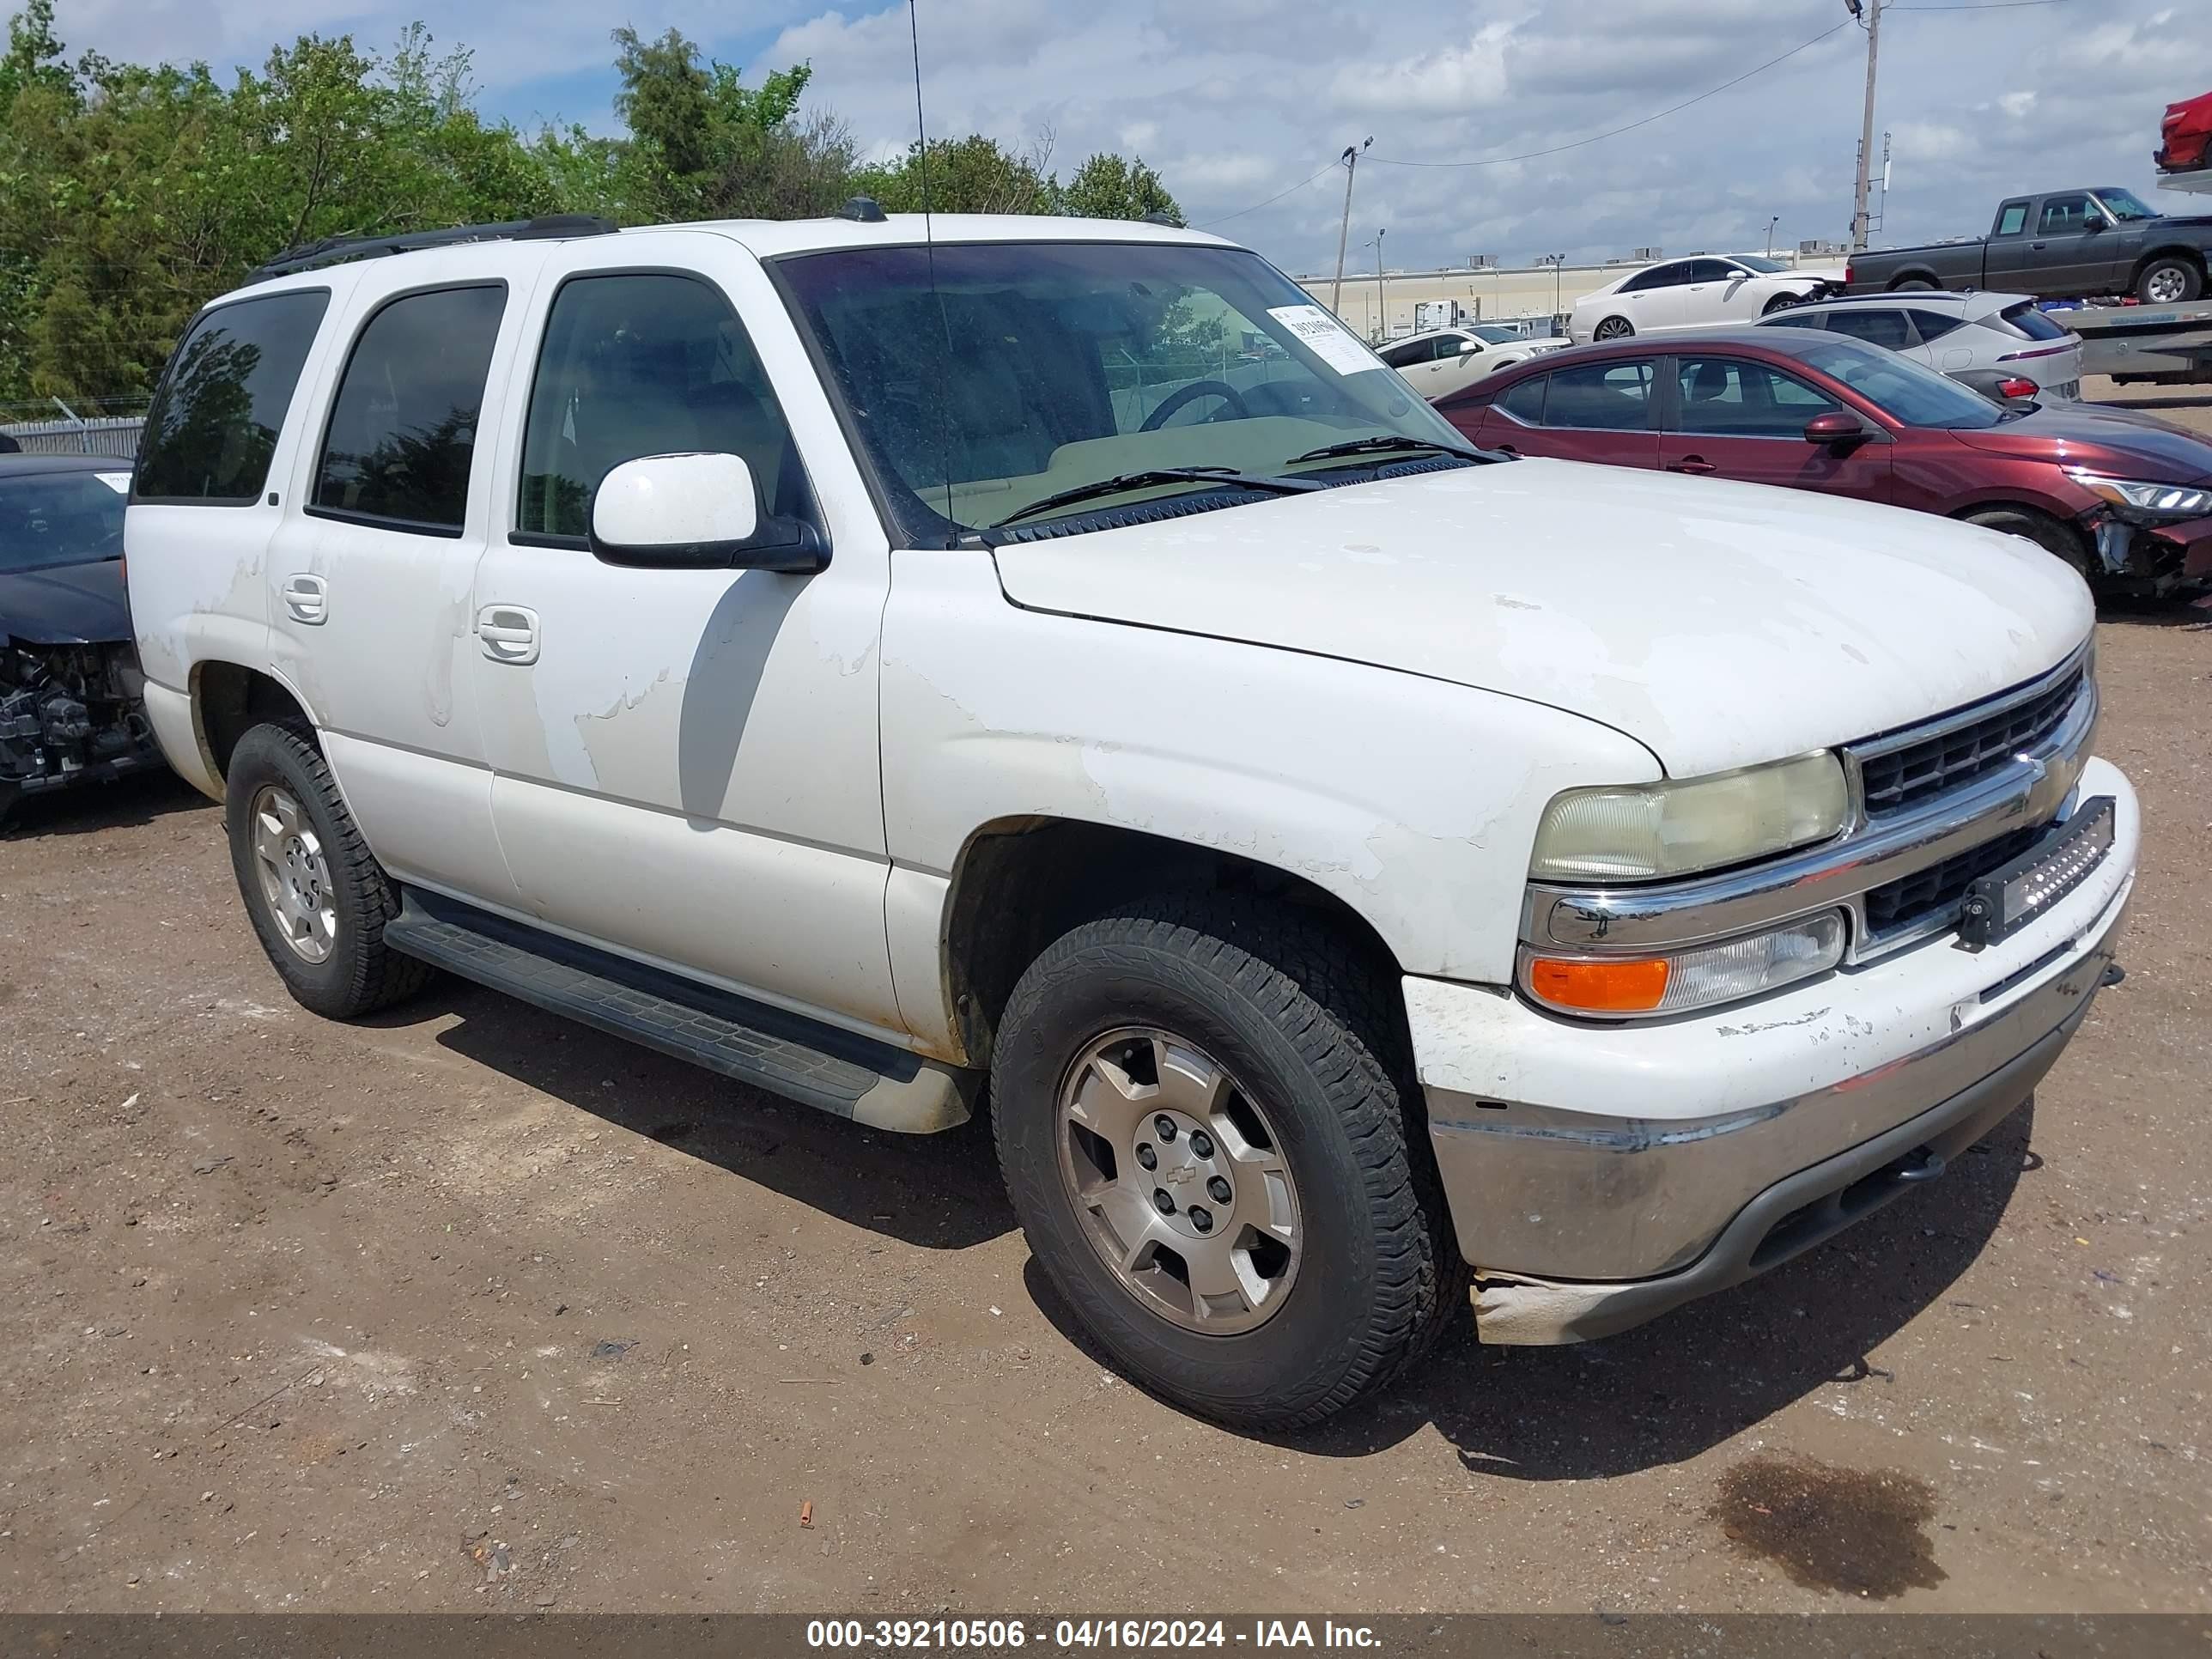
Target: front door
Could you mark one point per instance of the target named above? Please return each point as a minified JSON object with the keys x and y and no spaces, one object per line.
{"x":685,"y":761}
{"x":2062,"y":256}
{"x":1736,"y":418}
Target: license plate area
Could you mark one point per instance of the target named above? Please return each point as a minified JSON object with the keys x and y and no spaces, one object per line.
{"x":2005,"y":901}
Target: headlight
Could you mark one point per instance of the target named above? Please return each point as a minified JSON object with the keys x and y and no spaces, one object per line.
{"x":1641,"y":831}
{"x":2167,"y":500}
{"x":1701,"y":977}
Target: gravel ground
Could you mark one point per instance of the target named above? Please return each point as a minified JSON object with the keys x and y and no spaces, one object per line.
{"x":468,"y":1309}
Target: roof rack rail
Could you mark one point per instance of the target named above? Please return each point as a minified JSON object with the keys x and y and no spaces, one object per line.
{"x":335,"y":250}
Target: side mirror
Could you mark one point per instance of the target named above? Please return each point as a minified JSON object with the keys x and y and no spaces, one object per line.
{"x":1836,"y":425}
{"x":694,"y":512}
{"x":2094,"y":221}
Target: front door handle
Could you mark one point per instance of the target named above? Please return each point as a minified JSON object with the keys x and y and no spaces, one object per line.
{"x":1697,"y":463}
{"x":508,"y":633}
{"x":309,"y":599}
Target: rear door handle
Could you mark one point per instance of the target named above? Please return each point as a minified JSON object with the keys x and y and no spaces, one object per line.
{"x":508,"y":633}
{"x":1697,"y":463}
{"x":309,"y":599}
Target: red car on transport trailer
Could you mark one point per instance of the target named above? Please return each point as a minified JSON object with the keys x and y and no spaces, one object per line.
{"x":2124,"y":498}
{"x":2185,"y":136}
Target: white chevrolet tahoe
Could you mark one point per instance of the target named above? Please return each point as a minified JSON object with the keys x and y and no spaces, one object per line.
{"x":1057,"y":665}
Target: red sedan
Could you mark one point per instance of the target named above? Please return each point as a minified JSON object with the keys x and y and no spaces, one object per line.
{"x":2123,"y":498}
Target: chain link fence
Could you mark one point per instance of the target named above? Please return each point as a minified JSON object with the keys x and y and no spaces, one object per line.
{"x":85,"y":426}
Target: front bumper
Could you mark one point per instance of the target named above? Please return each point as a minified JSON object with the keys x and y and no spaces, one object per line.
{"x":1613,"y":1171}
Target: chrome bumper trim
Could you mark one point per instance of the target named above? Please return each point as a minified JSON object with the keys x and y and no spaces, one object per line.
{"x":1572,"y":1195}
{"x":2028,"y":790}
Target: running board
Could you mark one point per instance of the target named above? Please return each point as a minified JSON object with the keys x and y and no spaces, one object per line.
{"x":785,"y":1054}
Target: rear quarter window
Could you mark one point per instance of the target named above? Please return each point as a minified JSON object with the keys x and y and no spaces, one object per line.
{"x":2011,"y":219}
{"x":215,"y":418}
{"x":2026,"y":320}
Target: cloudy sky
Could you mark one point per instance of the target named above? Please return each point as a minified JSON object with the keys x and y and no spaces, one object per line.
{"x":1237,"y":101}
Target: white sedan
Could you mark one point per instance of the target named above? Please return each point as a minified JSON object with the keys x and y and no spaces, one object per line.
{"x":1708,"y":289}
{"x":1446,"y":360}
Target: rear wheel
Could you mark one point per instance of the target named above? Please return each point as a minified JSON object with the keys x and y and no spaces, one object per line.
{"x":2171,"y":280}
{"x":317,"y":898}
{"x":1910,"y":284}
{"x":1613,"y":328}
{"x":1204,"y":1117}
{"x":2046,"y":532}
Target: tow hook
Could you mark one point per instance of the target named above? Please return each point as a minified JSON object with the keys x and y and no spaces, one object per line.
{"x":2113,"y":974}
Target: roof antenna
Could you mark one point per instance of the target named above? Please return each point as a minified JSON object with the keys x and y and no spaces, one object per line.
{"x":929,"y":254}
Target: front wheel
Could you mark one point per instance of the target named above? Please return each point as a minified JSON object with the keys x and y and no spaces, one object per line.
{"x":2062,"y":540}
{"x":1613,"y":328}
{"x":1204,"y":1124}
{"x":2169,"y":281}
{"x":1782,"y":302}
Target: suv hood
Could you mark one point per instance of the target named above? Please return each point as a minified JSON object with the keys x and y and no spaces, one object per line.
{"x":2125,"y":443}
{"x":1719,"y":624}
{"x":65,"y":605}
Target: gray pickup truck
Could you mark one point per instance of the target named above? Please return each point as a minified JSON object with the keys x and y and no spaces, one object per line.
{"x":2067,"y":244}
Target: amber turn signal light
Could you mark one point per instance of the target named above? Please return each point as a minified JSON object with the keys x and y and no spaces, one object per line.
{"x":1601,"y":987}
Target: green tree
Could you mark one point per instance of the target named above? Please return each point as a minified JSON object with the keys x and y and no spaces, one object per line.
{"x":1107,"y":186}
{"x":963,"y":175}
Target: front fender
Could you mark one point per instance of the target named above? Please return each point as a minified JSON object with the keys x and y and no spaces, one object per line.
{"x":1412,"y":800}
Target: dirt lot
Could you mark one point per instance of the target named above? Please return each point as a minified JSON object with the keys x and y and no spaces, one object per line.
{"x":466,"y":1309}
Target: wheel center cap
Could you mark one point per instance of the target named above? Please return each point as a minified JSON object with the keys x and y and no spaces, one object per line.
{"x":1191,"y":1185}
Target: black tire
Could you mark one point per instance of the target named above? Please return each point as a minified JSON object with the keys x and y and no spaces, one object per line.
{"x":2062,"y":540}
{"x":2180,"y":280}
{"x":1911,"y":285}
{"x":1300,"y":1018}
{"x":360,"y":974}
{"x":1782,"y":302}
{"x":1613,"y":328}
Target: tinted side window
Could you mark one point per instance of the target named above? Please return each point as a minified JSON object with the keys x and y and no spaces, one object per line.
{"x":1602,"y":397}
{"x":403,"y":428}
{"x":1525,"y":402}
{"x":1657,"y":276}
{"x":645,"y":364}
{"x":2062,"y":214}
{"x":1882,"y":327}
{"x":1796,"y":317}
{"x":215,"y":421}
{"x":1712,"y":270}
{"x":1932,"y":324}
{"x":1411,"y":355}
{"x":2011,"y":218}
{"x":1726,"y":397}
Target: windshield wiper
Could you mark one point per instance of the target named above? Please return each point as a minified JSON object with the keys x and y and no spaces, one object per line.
{"x":1393,"y":441}
{"x":1157,"y":475}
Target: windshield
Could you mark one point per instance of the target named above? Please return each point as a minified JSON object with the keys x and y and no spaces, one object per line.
{"x":1753,"y":262}
{"x":1072,"y":363}
{"x":61,"y":518}
{"x":2123,"y":205}
{"x":1902,"y":388}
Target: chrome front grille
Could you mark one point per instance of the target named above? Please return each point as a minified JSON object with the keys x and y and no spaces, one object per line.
{"x":1901,"y":771}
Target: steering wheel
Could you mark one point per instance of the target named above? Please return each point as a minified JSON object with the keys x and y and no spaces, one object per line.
{"x":1197,"y":389}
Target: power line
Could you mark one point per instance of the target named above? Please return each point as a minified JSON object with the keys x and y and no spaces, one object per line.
{"x":1598,"y":138}
{"x":1327,"y":167}
{"x":1984,"y":5}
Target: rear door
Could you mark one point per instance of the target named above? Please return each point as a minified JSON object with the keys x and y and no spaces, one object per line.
{"x":1738,"y":418}
{"x":369,"y":575}
{"x":1605,"y":412}
{"x":1881,"y":325}
{"x":1658,"y":298}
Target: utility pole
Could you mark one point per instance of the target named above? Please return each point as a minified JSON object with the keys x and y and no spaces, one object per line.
{"x":1770,"y":224}
{"x":1381,"y":307}
{"x":1351,"y":160}
{"x":1554,"y":261}
{"x":1870,"y":12}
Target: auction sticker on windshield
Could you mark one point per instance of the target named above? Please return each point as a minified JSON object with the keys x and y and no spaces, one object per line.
{"x":1328,"y":339}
